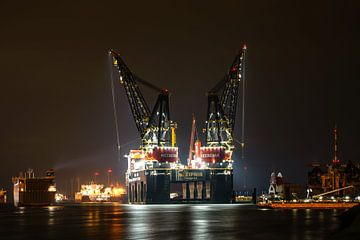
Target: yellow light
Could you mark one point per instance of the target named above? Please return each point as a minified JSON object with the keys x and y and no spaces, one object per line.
{"x":59,"y":197}
{"x":173,"y":137}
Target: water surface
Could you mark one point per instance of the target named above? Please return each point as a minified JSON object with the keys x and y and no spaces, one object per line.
{"x":115,"y":221}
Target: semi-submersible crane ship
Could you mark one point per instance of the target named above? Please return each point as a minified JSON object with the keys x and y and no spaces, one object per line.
{"x":155,"y":173}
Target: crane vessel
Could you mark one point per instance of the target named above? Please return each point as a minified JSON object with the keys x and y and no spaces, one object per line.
{"x":155,"y":173}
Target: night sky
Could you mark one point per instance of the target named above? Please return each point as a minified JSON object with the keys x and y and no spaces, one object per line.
{"x":302,"y":74}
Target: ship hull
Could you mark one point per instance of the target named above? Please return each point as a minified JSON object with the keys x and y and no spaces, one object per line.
{"x":161,"y":186}
{"x":31,"y":191}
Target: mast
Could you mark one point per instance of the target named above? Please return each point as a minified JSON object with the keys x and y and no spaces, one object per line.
{"x":192,"y":136}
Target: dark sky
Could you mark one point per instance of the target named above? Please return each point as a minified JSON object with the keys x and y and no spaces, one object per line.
{"x":56,"y":110}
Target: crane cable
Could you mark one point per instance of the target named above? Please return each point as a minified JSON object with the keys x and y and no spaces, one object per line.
{"x":243,"y":108}
{"x":114,"y":105}
{"x":242,"y":144}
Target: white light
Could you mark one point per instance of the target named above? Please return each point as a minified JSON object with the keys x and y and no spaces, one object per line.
{"x":174,"y":195}
{"x":52,"y":189}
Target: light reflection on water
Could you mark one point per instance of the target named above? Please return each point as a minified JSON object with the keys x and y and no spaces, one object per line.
{"x":105,"y":221}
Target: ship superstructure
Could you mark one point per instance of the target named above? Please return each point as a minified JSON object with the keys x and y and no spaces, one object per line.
{"x":155,"y":173}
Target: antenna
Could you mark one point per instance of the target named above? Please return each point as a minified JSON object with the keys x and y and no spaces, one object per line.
{"x":335,"y":160}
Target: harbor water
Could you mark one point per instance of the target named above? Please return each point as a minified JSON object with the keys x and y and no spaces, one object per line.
{"x":116,"y":221}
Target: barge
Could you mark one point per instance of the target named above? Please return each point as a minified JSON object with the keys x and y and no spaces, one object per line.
{"x":310,"y":205}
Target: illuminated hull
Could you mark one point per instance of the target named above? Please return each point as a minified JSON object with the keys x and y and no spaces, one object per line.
{"x":98,"y":193}
{"x":33,"y":192}
{"x":166,"y":185}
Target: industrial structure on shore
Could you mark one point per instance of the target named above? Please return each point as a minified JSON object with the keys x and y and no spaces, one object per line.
{"x":155,"y":173}
{"x":279,"y":189}
{"x":335,"y":175}
{"x":337,"y":187}
{"x":34,"y":191}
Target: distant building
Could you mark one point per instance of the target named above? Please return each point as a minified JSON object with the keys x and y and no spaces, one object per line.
{"x":281,"y":190}
{"x":314,"y":179}
{"x":276,"y":184}
{"x":293,"y":191}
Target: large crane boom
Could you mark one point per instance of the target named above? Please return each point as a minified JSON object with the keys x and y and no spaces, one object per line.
{"x":221,"y":113}
{"x":138,"y":105}
{"x":230,"y":94}
{"x":155,"y":128}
